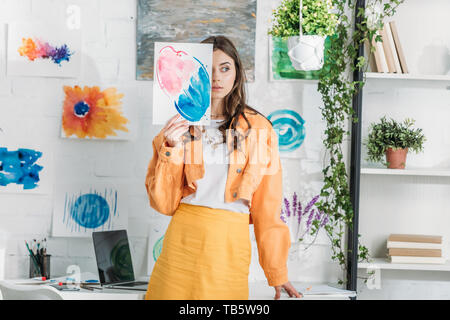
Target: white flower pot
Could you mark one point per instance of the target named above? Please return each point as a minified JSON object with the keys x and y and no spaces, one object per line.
{"x":306,"y":52}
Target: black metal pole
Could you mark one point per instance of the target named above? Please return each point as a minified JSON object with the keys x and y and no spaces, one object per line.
{"x":355,"y":161}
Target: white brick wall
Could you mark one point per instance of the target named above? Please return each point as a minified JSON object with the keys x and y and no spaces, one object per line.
{"x":31,"y":109}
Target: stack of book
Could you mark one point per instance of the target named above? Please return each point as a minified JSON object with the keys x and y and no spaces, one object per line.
{"x":413,"y":248}
{"x":388,"y":56}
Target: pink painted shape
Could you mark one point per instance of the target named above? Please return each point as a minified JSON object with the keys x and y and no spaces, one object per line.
{"x":174,"y":68}
{"x":43,"y":49}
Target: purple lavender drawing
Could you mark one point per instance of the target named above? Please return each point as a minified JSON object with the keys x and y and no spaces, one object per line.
{"x":316,"y":219}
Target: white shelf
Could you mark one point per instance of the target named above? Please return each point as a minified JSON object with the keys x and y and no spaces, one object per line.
{"x":380,"y":263}
{"x":408,"y":76}
{"x":437,"y":172}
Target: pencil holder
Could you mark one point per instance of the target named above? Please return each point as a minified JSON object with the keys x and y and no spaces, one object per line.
{"x":40,"y":262}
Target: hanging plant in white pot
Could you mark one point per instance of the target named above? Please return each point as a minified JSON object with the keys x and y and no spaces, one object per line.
{"x":306,"y":40}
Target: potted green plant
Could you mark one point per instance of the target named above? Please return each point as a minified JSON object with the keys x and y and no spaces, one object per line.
{"x":392,"y":139}
{"x":305,"y":40}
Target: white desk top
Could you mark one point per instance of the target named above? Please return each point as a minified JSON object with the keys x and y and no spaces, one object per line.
{"x":257,"y":291}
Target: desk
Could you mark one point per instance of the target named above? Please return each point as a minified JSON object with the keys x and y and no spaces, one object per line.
{"x":258,"y":290}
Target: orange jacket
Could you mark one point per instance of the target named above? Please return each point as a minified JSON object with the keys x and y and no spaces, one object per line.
{"x":254,"y":174}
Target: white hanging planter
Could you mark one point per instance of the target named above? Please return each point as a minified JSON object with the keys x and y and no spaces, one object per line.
{"x":306,"y":52}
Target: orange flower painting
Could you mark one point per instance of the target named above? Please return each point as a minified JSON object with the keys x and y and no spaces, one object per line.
{"x":91,"y":113}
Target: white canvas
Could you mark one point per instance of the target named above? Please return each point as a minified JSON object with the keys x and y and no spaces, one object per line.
{"x":121,"y":106}
{"x":156,"y":232}
{"x":182,"y":77}
{"x":80,"y":209}
{"x":49,"y":39}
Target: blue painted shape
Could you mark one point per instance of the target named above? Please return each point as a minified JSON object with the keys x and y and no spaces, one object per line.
{"x":289,"y":126}
{"x":61,"y":54}
{"x":90,"y":210}
{"x":193,"y":102}
{"x":81,"y":109}
{"x":19,"y":167}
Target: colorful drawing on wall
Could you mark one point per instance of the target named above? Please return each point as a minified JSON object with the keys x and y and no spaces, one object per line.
{"x":158,"y":22}
{"x":157,"y":230}
{"x":24,"y":170}
{"x":90,"y":112}
{"x":280,"y":64}
{"x":38,"y":49}
{"x":182,"y":82}
{"x":79,"y":210}
{"x":303,"y":220}
{"x":20,"y":167}
{"x":291,"y":132}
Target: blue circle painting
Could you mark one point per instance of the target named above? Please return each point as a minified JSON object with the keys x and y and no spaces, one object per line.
{"x":90,"y":211}
{"x":289,"y":126}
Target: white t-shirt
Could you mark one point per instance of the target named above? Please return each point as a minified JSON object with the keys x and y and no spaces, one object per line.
{"x":211,"y":188}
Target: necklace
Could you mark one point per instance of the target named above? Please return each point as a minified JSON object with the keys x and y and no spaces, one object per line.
{"x":213,"y":137}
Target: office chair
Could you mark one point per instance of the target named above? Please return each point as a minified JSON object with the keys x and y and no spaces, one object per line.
{"x":28,"y":292}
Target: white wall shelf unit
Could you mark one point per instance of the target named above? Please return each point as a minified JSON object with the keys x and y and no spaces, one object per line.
{"x":396,"y":76}
{"x":382,"y":263}
{"x":417,"y":200}
{"x":436,"y":172}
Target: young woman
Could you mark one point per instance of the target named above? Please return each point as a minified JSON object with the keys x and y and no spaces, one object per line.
{"x":214,"y":180}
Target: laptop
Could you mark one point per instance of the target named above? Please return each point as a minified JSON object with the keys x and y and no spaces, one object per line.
{"x":113,"y":255}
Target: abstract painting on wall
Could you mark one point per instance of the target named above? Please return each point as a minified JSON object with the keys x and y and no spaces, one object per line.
{"x":158,"y":21}
{"x":281,"y":66}
{"x":157,"y":230}
{"x":80,"y":210}
{"x":25,"y":169}
{"x":37,"y":49}
{"x":182,"y":82}
{"x":289,"y":126}
{"x":93,"y":113}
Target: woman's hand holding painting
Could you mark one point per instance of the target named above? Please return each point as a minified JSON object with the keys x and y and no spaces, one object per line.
{"x":173,"y":131}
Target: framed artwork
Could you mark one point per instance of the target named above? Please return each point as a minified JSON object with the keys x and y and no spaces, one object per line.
{"x":46,"y":50}
{"x":182,"y":82}
{"x":82,"y":209}
{"x":159,"y":22}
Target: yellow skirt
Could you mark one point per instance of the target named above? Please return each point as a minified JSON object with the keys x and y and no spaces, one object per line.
{"x":206,"y":255}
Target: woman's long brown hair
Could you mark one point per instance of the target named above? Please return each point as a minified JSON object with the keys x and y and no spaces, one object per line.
{"x":236,"y":100}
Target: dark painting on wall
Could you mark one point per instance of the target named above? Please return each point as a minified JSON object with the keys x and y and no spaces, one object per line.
{"x":194,"y":21}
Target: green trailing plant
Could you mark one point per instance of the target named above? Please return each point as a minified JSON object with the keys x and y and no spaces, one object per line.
{"x":337,"y":88}
{"x":392,"y":134}
{"x":316,"y":18}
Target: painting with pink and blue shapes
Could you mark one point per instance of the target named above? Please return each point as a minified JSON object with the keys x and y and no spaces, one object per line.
{"x":182,"y":82}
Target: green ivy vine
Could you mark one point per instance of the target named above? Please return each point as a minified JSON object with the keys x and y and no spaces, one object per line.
{"x":338,"y":88}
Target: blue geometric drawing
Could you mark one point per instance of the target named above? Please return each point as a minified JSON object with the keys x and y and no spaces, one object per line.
{"x":90,"y":210}
{"x":289,"y":126}
{"x":19,"y":167}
